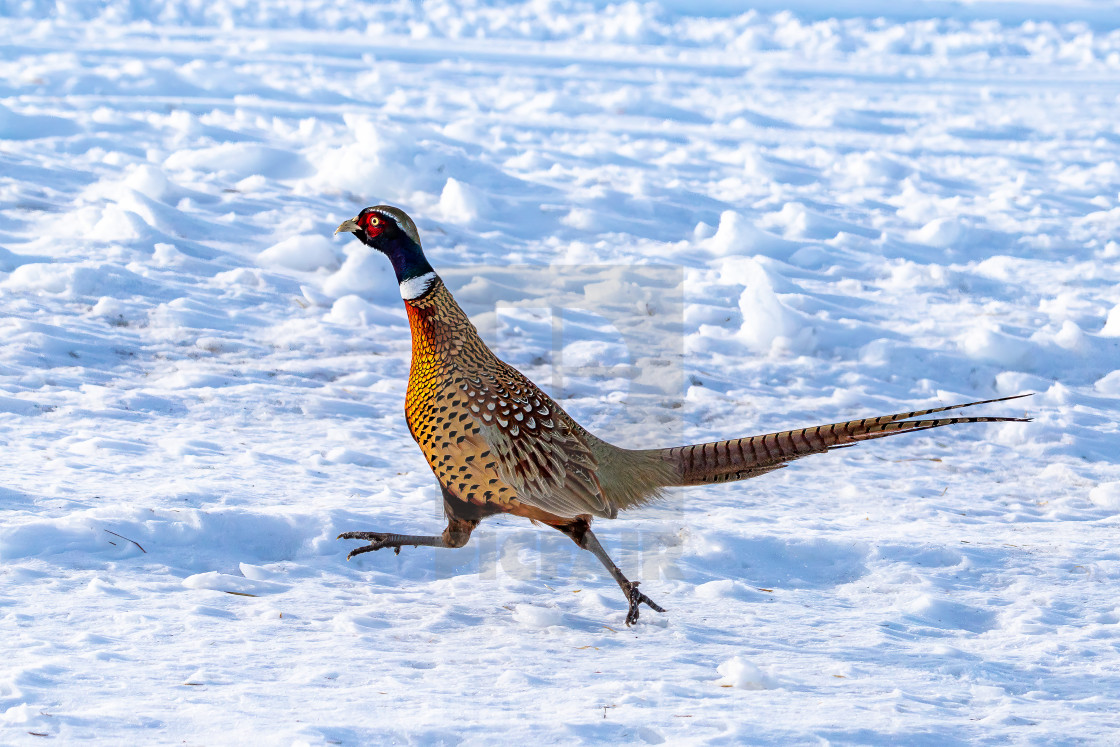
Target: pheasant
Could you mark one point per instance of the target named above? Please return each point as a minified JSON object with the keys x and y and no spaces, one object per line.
{"x":498,"y":444}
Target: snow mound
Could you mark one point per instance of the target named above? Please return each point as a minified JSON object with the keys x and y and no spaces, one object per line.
{"x":537,"y":617}
{"x":940,"y":232}
{"x":241,"y":160}
{"x":740,"y":673}
{"x":461,"y":203}
{"x":737,"y":236}
{"x":355,"y":311}
{"x":304,"y":253}
{"x":768,"y":322}
{"x":987,"y":342}
{"x":379,"y":164}
{"x":1106,"y":495}
{"x":1109,"y":384}
{"x":1112,"y":323}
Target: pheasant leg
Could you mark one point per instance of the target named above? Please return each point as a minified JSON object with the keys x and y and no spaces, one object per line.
{"x":378,"y":540}
{"x":586,"y":539}
{"x":456,"y":535}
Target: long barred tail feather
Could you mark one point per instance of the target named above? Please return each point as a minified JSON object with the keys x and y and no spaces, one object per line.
{"x":740,"y":458}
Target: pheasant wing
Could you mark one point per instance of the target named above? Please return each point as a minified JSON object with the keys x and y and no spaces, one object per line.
{"x":539,"y":450}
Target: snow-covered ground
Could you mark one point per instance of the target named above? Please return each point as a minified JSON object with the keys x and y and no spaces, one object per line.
{"x":686,"y":222}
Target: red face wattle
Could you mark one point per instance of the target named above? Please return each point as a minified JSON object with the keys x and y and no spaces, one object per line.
{"x":372,"y":223}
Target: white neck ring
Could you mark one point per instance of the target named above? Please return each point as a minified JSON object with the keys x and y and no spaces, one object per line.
{"x":417,"y":286}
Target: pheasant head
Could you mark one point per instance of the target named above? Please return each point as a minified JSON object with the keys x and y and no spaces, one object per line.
{"x":390,"y":231}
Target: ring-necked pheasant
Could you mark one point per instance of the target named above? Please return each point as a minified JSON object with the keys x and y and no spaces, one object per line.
{"x":498,"y":444}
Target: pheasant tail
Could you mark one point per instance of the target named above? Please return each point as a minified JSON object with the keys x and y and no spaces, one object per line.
{"x":740,"y":458}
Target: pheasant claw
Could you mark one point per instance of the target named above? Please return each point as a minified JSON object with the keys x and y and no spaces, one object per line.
{"x":637,"y":598}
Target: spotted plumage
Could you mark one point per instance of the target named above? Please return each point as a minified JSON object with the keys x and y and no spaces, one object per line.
{"x":498,"y":444}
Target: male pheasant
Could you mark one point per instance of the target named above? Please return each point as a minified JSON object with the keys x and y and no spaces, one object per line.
{"x":498,"y":444}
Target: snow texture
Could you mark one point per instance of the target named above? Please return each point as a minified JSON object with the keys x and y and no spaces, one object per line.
{"x":684,"y":220}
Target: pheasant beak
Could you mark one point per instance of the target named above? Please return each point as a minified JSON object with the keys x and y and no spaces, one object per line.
{"x":347,"y":226}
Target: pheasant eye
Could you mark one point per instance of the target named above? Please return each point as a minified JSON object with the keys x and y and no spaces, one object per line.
{"x":373,"y":220}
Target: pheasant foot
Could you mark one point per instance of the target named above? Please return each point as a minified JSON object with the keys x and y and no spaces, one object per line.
{"x":636,"y":597}
{"x":379,"y":540}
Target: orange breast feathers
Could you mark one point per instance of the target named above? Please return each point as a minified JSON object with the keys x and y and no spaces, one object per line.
{"x":437,"y":413}
{"x":488,"y":433}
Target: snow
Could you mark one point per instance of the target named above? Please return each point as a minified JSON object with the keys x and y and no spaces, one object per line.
{"x":684,"y":220}
{"x":737,"y":672}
